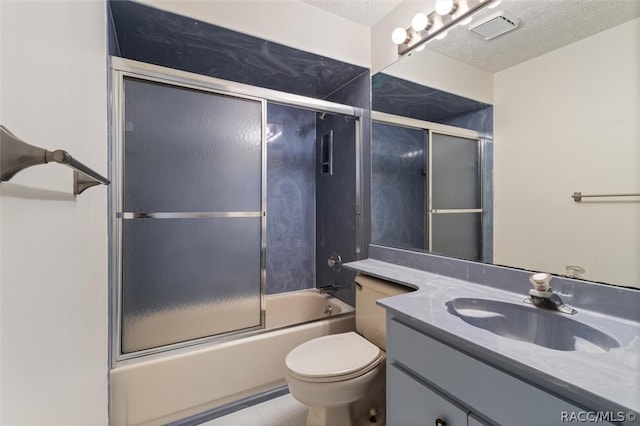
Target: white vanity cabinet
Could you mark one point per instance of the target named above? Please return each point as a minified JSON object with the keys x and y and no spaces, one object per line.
{"x":431,"y":383}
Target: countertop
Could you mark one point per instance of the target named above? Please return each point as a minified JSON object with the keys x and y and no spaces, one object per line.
{"x":600,"y":381}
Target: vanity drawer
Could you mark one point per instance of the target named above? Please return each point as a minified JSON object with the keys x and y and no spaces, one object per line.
{"x":411,"y":403}
{"x":495,"y":394}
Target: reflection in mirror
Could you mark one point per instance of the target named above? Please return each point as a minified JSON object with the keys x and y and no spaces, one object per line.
{"x":428,"y":187}
{"x":561,"y":116}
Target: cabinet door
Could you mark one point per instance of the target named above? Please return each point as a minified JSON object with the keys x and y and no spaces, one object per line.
{"x":412,"y":403}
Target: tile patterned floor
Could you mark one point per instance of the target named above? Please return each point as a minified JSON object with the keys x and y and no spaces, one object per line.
{"x":281,"y":411}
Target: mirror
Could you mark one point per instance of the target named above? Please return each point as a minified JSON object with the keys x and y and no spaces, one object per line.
{"x":552,"y":107}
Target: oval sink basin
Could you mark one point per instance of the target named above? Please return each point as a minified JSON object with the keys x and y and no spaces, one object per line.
{"x":531,"y":324}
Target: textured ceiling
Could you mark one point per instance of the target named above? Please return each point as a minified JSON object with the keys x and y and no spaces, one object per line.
{"x":366,"y":12}
{"x":545,"y":25}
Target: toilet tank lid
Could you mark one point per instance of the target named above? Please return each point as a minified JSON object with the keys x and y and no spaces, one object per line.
{"x":333,"y":355}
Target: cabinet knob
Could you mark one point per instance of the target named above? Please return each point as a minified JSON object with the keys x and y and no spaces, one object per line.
{"x":440,"y":422}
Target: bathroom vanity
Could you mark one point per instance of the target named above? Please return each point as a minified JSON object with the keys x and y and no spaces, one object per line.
{"x":466,"y":353}
{"x":428,"y":381}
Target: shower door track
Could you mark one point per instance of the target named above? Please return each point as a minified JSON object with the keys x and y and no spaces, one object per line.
{"x":188,"y":79}
{"x":121,"y":68}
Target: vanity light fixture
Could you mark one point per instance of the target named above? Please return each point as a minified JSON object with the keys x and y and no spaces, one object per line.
{"x":400,"y":36}
{"x":445,"y":7}
{"x":420,"y":22}
{"x":425,"y":27}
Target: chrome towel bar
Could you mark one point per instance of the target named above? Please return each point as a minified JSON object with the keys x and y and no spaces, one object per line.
{"x":17,"y":155}
{"x":578,"y":196}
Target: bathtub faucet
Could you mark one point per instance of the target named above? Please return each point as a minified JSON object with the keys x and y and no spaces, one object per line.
{"x":332,"y":288}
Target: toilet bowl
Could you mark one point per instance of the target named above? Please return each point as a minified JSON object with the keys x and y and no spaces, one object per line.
{"x":331,"y":373}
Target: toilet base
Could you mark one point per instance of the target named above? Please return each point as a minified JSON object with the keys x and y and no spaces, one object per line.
{"x":339,"y":415}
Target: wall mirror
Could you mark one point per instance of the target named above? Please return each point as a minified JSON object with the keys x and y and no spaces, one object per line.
{"x":491,"y":177}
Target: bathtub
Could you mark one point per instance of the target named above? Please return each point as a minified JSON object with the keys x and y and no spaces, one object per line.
{"x":169,"y":387}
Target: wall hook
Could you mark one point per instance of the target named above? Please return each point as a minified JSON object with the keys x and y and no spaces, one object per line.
{"x":17,"y":155}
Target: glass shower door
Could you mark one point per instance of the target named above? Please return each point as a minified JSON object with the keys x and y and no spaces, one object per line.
{"x":191,"y":214}
{"x":455,"y":202}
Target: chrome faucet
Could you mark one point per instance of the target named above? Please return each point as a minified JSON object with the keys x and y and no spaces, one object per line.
{"x":543,"y":296}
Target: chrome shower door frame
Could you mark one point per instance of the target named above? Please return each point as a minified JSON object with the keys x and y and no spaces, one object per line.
{"x":121,"y":68}
{"x":472,"y":136}
{"x":430,"y":128}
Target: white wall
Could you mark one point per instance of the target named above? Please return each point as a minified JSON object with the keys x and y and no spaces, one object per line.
{"x":426,"y":67}
{"x":290,"y":22}
{"x":53,"y":281}
{"x":568,"y":121}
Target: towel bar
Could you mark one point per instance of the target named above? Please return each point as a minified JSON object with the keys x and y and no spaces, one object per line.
{"x":17,"y":155}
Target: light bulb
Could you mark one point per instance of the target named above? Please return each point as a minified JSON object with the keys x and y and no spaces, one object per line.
{"x":399,"y":35}
{"x":441,"y":35}
{"x":466,"y":21}
{"x":420,"y":22}
{"x":444,"y":7}
{"x":421,"y":47}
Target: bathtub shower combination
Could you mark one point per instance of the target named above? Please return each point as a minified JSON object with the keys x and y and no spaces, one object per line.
{"x":213,"y":237}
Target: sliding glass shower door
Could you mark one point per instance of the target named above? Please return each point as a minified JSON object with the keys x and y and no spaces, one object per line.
{"x":426,"y":188}
{"x":455,"y":202}
{"x":190,"y":214}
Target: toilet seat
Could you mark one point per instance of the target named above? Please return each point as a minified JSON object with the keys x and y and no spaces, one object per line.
{"x":333,"y":358}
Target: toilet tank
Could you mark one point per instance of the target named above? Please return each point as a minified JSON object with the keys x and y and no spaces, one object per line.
{"x":371,"y":318}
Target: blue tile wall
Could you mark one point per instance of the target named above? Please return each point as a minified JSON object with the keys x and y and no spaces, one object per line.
{"x":480,"y":120}
{"x":162,"y":38}
{"x":146,"y":34}
{"x":112,"y":42}
{"x":336,"y":219}
{"x":358,"y":93}
{"x":291,"y":204}
{"x":337,"y":213}
{"x":408,"y":99}
{"x":398,"y":200}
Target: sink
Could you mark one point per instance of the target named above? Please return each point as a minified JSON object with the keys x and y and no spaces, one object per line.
{"x":531,"y":324}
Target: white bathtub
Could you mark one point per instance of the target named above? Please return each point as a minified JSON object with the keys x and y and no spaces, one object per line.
{"x":301,"y":306}
{"x":174,"y":386}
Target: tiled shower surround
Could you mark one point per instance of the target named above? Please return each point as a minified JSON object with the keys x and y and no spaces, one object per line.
{"x":398,"y":203}
{"x":158,"y":37}
{"x":291,"y":198}
{"x":143,"y":33}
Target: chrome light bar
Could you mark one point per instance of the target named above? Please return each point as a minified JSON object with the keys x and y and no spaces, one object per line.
{"x":427,"y":27}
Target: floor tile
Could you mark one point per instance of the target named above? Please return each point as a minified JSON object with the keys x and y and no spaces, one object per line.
{"x":281,"y":411}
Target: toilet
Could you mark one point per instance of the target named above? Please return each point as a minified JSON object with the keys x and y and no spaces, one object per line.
{"x":332,"y":374}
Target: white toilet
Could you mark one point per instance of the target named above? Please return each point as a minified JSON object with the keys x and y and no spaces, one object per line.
{"x":332,"y":372}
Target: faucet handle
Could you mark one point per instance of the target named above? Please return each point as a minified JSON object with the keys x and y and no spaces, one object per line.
{"x":540,"y":281}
